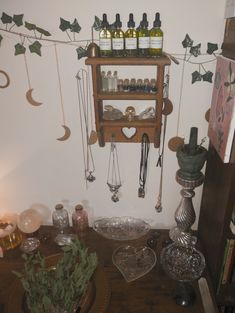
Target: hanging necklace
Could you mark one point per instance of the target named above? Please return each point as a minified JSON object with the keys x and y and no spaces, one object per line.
{"x":145,"y":145}
{"x":114,"y":178}
{"x":66,"y":128}
{"x":83,"y":90}
{"x":166,"y":110}
{"x":29,"y":93}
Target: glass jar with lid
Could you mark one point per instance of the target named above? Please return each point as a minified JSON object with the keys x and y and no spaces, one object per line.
{"x":60,"y":218}
{"x":80,"y":219}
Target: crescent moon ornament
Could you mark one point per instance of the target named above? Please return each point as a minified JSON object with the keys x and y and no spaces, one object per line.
{"x":66,"y":134}
{"x":7,"y":79}
{"x":30,"y":99}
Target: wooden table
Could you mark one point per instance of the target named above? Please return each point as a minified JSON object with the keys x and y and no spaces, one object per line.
{"x":150,"y":294}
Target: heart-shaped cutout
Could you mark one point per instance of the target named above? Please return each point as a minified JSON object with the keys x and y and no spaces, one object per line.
{"x":129,"y":132}
{"x":133,"y":262}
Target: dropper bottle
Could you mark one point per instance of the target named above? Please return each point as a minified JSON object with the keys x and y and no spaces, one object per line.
{"x":118,"y":38}
{"x":131,"y":38}
{"x":143,"y":37}
{"x":156,"y":37}
{"x":105,"y":38}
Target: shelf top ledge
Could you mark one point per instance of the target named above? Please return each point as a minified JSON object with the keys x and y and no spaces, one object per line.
{"x":159,"y":61}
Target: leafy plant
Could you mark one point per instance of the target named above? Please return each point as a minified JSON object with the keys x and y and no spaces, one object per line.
{"x":60,"y":287}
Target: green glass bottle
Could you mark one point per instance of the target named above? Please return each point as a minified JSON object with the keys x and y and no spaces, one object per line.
{"x":118,"y":38}
{"x":156,"y":37}
{"x":143,"y":37}
{"x":131,"y":38}
{"x":105,"y":38}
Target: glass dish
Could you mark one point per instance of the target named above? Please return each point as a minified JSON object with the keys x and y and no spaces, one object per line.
{"x":121,"y":228}
{"x":30,"y":244}
{"x":133,"y":262}
{"x":64,"y":239}
{"x":182,"y":263}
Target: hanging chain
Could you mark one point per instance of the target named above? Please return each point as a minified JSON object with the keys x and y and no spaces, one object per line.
{"x":160,"y":161}
{"x":145,"y":145}
{"x":83,"y":90}
{"x":114,"y":177}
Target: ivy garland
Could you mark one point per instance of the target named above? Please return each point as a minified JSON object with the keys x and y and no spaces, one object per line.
{"x":73,"y":28}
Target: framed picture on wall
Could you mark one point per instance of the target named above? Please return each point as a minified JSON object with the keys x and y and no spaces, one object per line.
{"x":222,"y":113}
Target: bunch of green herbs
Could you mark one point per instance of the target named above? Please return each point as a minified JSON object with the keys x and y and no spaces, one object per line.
{"x":61,"y":287}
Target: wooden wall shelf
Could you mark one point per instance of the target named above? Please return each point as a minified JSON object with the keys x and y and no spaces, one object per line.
{"x":107,"y":129}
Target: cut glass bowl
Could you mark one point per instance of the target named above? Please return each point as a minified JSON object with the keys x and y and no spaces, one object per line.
{"x":121,"y":228}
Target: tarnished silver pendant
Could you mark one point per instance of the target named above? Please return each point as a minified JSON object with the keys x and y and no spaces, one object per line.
{"x":90,"y":177}
{"x":141,"y":193}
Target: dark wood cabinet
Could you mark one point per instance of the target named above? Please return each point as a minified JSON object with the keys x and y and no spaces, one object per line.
{"x":218,"y":199}
{"x":213,"y":229}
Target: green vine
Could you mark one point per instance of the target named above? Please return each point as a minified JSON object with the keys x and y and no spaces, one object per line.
{"x":73,"y":28}
{"x":39,"y":33}
{"x":195,"y":51}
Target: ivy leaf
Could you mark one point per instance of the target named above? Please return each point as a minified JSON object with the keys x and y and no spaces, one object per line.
{"x":35,"y":48}
{"x":43,"y":31}
{"x":207,"y":77}
{"x":1,"y":38}
{"x":18,"y":19}
{"x":6,"y":19}
{"x":64,"y":25}
{"x":211,"y":47}
{"x":81,"y":52}
{"x":19,"y":49}
{"x":97,"y":24}
{"x":29,"y":26}
{"x":195,"y":50}
{"x":187,"y":42}
{"x":75,"y":27}
{"x":196,"y":76}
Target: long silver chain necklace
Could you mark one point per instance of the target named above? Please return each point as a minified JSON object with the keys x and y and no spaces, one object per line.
{"x":145,"y":145}
{"x":84,"y":103}
{"x":158,"y":206}
{"x":114,"y":178}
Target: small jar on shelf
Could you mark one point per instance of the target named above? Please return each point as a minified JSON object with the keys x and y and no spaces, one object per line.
{"x":60,"y":218}
{"x":80,"y":219}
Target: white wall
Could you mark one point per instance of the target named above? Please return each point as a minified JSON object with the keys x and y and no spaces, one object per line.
{"x":36,"y":170}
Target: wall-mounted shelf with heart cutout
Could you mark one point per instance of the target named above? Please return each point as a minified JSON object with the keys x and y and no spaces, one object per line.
{"x":123,"y":129}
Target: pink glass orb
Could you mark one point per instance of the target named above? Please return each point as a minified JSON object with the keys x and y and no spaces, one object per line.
{"x":29,"y":221}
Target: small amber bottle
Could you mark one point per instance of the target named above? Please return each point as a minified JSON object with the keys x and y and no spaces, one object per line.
{"x":156,"y":38}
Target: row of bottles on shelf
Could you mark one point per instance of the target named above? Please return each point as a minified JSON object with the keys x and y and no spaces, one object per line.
{"x":60,"y":219}
{"x":111,"y":83}
{"x":140,"y":41}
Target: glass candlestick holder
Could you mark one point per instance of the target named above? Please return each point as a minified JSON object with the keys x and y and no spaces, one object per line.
{"x":29,"y":221}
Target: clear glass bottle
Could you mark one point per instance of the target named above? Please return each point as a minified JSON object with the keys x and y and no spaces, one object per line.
{"x":156,"y":38}
{"x":115,"y":81}
{"x":60,"y":218}
{"x":79,"y":219}
{"x":131,"y":38}
{"x":118,"y":38}
{"x":105,"y":38}
{"x":104,"y":81}
{"x":143,"y":37}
